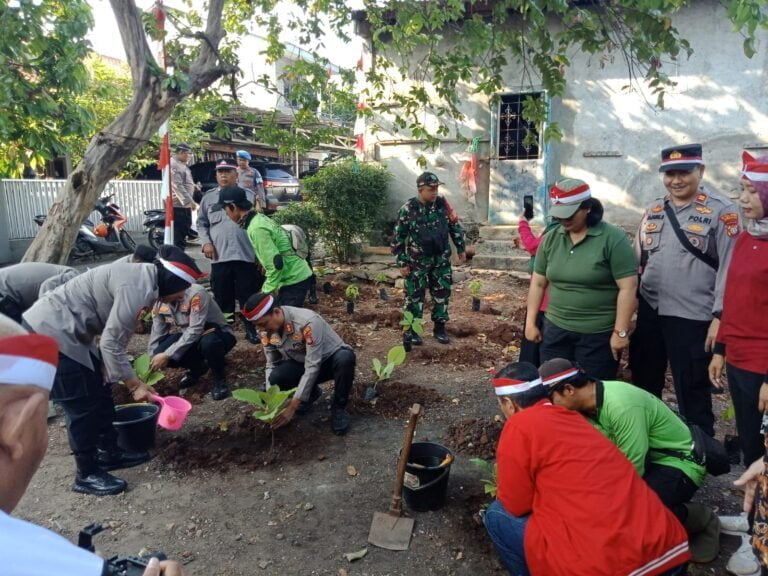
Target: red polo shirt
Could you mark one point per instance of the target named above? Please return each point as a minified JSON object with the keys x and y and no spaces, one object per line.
{"x":590,"y":513}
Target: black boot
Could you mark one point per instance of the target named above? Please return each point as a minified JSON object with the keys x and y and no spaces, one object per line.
{"x":220,"y":388}
{"x":251,"y":334}
{"x":90,"y":479}
{"x":116,"y":458}
{"x":189,"y":379}
{"x":314,"y":396}
{"x":339,"y":421}
{"x":439,"y":332}
{"x":416,"y":339}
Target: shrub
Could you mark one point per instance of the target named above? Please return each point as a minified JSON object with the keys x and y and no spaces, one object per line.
{"x":302,"y":214}
{"x":351,"y":197}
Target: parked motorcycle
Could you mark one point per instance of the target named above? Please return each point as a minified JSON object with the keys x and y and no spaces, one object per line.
{"x":106,"y":237}
{"x":154,"y":226}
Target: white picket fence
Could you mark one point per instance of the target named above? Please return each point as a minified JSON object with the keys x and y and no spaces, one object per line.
{"x":24,"y":199}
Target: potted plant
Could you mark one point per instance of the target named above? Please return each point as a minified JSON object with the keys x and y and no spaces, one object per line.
{"x":475,"y":288}
{"x":380,"y":279}
{"x":395,"y":357}
{"x":352,"y":293}
{"x":321,"y":271}
{"x":410,"y":324}
{"x":268,"y":403}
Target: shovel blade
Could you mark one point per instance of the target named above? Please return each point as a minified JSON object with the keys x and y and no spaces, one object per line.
{"x":390,"y":532}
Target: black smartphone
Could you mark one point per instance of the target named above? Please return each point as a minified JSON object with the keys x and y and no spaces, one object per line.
{"x":528,"y":206}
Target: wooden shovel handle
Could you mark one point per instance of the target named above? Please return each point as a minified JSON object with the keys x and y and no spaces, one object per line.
{"x":396,"y":507}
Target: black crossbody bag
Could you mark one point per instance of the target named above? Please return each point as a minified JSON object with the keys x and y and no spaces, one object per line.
{"x":706,"y":258}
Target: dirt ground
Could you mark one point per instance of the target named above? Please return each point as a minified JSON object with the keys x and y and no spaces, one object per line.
{"x":218,"y":498}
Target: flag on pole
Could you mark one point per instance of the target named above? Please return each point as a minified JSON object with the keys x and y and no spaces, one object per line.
{"x":164,"y":162}
{"x":359,"y":129}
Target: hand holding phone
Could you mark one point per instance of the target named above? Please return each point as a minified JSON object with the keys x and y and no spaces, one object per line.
{"x":528,"y":207}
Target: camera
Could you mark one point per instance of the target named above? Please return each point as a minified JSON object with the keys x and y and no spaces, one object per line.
{"x":116,"y":565}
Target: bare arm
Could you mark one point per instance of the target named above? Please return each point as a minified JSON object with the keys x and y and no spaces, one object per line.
{"x":536,"y":292}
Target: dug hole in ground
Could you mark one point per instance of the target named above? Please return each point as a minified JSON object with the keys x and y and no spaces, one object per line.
{"x":217,"y":499}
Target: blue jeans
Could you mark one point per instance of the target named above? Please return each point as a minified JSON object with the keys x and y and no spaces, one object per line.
{"x":507,"y":533}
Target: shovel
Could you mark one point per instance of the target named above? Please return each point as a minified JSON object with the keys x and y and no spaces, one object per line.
{"x":390,"y":529}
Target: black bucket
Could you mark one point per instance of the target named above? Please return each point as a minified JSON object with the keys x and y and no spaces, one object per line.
{"x":136,"y":425}
{"x":424,"y":463}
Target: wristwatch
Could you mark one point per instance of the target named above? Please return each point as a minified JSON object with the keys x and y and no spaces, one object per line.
{"x":621,"y":333}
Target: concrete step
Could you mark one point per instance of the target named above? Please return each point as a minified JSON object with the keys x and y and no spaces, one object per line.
{"x":498,"y":248}
{"x":497,"y":232}
{"x":496,"y":262}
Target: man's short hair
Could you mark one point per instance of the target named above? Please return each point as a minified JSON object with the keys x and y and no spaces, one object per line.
{"x":520,"y":382}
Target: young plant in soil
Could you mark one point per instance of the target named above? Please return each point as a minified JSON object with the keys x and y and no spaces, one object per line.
{"x":268,"y":404}
{"x":380,"y":279}
{"x":409,"y":323}
{"x":352,"y":293}
{"x":141,"y":366}
{"x":490,"y":481}
{"x":395,"y":357}
{"x":475,"y":289}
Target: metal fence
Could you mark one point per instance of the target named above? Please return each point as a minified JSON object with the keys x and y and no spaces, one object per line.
{"x":26,"y":198}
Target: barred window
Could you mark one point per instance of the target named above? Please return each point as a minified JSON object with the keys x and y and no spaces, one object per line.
{"x":513,"y":128}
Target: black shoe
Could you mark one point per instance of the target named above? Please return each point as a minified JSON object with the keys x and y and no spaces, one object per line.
{"x":251,"y":334}
{"x":188,"y":380}
{"x":99,"y":484}
{"x":118,"y":458}
{"x":220,"y":390}
{"x":305,"y":407}
{"x":439,"y":332}
{"x":312,"y":298}
{"x":416,"y":339}
{"x":339,"y":421}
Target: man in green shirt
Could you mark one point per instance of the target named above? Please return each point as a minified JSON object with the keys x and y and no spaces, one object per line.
{"x":287,"y":273}
{"x":650,"y":435}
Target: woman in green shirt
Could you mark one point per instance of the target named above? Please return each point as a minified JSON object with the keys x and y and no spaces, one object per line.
{"x":590,"y":270}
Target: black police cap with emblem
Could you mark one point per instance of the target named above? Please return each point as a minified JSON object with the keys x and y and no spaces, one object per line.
{"x":427,"y":179}
{"x":183,"y":147}
{"x":684,"y":158}
{"x":226,"y":164}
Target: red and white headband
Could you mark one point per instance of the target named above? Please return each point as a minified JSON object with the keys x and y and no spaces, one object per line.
{"x":181,"y":270}
{"x":28,"y":360}
{"x":579,"y":194}
{"x":262,"y":308}
{"x":560,"y":376}
{"x":510,"y":386}
{"x":753,"y":170}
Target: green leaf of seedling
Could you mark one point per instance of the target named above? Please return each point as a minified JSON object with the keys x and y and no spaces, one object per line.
{"x":141,"y":365}
{"x":269,"y":403}
{"x":377,"y":366}
{"x":396,"y":356}
{"x":418,"y":326}
{"x":248,"y":395}
{"x":386,"y":372}
{"x":153,"y":378}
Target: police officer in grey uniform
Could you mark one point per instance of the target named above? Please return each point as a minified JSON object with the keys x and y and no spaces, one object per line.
{"x":201,"y":343}
{"x":22,"y":284}
{"x":684,"y":245}
{"x":234,"y":273}
{"x":302,"y":351}
{"x":183,"y":188}
{"x":105,"y":302}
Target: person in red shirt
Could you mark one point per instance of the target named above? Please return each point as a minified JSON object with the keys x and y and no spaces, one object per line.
{"x":742,"y":338}
{"x":568,"y":502}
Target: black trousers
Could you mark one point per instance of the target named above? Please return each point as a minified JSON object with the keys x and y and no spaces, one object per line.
{"x":235,"y":280}
{"x":339,"y":367}
{"x":530,"y":351}
{"x":10,"y":308}
{"x":295,"y":294}
{"x":658,"y":339}
{"x":208,"y":352}
{"x":88,"y":406}
{"x":591,"y":351}
{"x":745,"y":391}
{"x":673,"y":487}
{"x":182,"y":222}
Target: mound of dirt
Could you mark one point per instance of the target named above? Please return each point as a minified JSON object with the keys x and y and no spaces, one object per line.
{"x":393,"y":400}
{"x":483,"y":356}
{"x":476,"y":437}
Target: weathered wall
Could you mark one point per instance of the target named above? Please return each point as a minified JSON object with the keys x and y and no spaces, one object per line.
{"x":721,"y":101}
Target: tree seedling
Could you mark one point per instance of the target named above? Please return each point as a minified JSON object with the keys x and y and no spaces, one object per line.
{"x":490,"y":481}
{"x":141,"y":366}
{"x":352,"y":293}
{"x":268,"y":403}
{"x":475,"y":288}
{"x":380,"y":279}
{"x":410,"y":325}
{"x":395,"y":357}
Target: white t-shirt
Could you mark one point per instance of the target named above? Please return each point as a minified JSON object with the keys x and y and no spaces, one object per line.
{"x":30,"y":550}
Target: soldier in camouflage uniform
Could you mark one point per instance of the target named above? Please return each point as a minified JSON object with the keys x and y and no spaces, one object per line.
{"x":423,"y":252}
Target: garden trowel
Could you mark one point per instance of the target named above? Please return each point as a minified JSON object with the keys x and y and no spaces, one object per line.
{"x":390,"y":529}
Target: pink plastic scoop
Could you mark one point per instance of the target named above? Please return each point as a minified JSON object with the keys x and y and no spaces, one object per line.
{"x":173,"y":411}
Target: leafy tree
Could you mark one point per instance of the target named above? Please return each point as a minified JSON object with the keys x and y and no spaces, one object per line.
{"x":302,"y":214}
{"x":350,"y":197}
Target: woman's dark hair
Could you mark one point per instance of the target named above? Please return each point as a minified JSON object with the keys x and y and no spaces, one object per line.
{"x":595,"y":214}
{"x":524,"y":371}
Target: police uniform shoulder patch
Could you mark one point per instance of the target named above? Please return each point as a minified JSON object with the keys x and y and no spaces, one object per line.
{"x":695,"y":241}
{"x":196,"y":303}
{"x":288,"y":328}
{"x":656,"y":209}
{"x":703,"y":209}
{"x":650,"y":227}
{"x":701,"y":198}
{"x":164,"y":309}
{"x":695,"y":227}
{"x":307,"y":333}
{"x":731,"y":222}
{"x":649,"y":240}
{"x":264,"y":339}
{"x":275,"y":339}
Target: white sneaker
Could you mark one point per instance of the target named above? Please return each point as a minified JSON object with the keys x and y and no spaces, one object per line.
{"x":734,"y":525}
{"x":743,"y":562}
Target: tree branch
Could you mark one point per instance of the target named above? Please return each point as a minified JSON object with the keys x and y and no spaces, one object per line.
{"x":208,"y":67}
{"x":134,"y":38}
